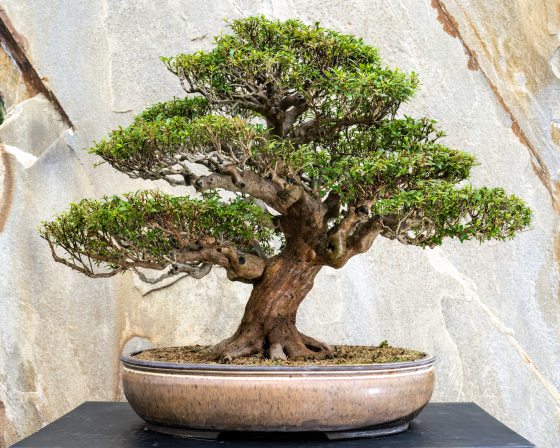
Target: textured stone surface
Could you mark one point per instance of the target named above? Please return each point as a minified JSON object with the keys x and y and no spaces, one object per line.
{"x":14,"y":89}
{"x":490,"y":313}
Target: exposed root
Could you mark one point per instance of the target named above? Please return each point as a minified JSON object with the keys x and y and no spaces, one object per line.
{"x":235,"y":347}
{"x":293,"y":344}
{"x":283,"y":341}
{"x":316,"y":346}
{"x":276,"y":351}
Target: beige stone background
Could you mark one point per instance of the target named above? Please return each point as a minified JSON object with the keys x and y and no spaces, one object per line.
{"x":490,"y":313}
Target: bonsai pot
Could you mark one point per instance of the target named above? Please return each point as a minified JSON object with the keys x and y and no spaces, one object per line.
{"x":343,"y":401}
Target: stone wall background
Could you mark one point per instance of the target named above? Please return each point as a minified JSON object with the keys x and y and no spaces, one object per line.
{"x":490,"y":313}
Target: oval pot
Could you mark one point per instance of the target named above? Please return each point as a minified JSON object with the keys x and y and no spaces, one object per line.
{"x":202,"y":400}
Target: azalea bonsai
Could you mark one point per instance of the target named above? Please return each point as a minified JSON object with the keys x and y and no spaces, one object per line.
{"x":300,"y":123}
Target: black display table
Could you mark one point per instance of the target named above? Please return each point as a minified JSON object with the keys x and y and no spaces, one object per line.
{"x":102,"y":424}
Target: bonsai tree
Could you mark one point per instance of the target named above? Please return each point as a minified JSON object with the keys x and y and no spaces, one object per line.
{"x":300,"y":124}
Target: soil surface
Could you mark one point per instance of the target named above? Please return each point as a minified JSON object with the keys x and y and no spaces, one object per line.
{"x":343,"y":355}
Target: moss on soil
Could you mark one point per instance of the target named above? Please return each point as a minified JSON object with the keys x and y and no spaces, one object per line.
{"x":343,"y":355}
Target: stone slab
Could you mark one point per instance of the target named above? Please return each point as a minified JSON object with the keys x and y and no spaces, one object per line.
{"x":109,"y":424}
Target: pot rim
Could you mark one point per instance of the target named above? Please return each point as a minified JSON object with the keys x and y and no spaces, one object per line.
{"x":129,"y":361}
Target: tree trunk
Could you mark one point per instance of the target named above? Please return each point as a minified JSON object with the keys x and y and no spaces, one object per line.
{"x":268,"y":326}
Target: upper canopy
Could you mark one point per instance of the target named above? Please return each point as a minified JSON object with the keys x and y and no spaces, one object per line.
{"x":305,"y":80}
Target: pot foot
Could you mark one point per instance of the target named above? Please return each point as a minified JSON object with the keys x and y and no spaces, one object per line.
{"x":359,"y":433}
{"x":187,"y":433}
{"x":331,"y":435}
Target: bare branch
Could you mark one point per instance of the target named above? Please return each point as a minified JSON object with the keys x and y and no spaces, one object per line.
{"x":175,"y":269}
{"x":239,"y":266}
{"x":248,"y":182}
{"x":83,"y":269}
{"x":321,"y":127}
{"x":412,"y":228}
{"x":332,"y":204}
{"x":336,"y":246}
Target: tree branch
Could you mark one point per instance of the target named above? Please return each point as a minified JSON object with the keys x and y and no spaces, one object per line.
{"x":323,"y":127}
{"x":84,"y":269}
{"x":177,"y":268}
{"x":336,"y":245}
{"x":411,"y":228}
{"x":332,"y":204}
{"x":239,"y":266}
{"x":341,"y":238}
{"x":249,"y":182}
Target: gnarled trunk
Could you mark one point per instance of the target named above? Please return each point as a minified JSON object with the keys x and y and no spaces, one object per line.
{"x":268,"y":326}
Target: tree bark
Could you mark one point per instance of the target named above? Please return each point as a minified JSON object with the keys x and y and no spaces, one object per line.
{"x":268,"y":326}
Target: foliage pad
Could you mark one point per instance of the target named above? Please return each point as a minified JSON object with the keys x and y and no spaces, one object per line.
{"x":144,"y":228}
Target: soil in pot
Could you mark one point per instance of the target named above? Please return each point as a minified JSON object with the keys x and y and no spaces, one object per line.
{"x":342,"y":355}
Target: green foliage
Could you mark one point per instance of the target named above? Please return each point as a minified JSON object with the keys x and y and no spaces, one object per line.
{"x":155,"y":141}
{"x":301,"y":106}
{"x":158,"y":132}
{"x":187,"y":108}
{"x":146,"y":226}
{"x":376,"y":162}
{"x":337,"y":74}
{"x":462,"y":213}
{"x":297,"y":53}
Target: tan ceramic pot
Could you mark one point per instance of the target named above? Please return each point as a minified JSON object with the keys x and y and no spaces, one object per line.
{"x":203,"y":400}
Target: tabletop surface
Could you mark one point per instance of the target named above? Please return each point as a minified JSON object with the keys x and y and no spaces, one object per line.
{"x":113,"y":424}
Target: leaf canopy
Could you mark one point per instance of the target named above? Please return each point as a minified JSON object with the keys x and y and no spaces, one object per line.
{"x":439,"y":210}
{"x":172,"y":132}
{"x":302,"y":118}
{"x":375,"y":163}
{"x":145,"y":227}
{"x":271,"y":67}
{"x":329,"y":69}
